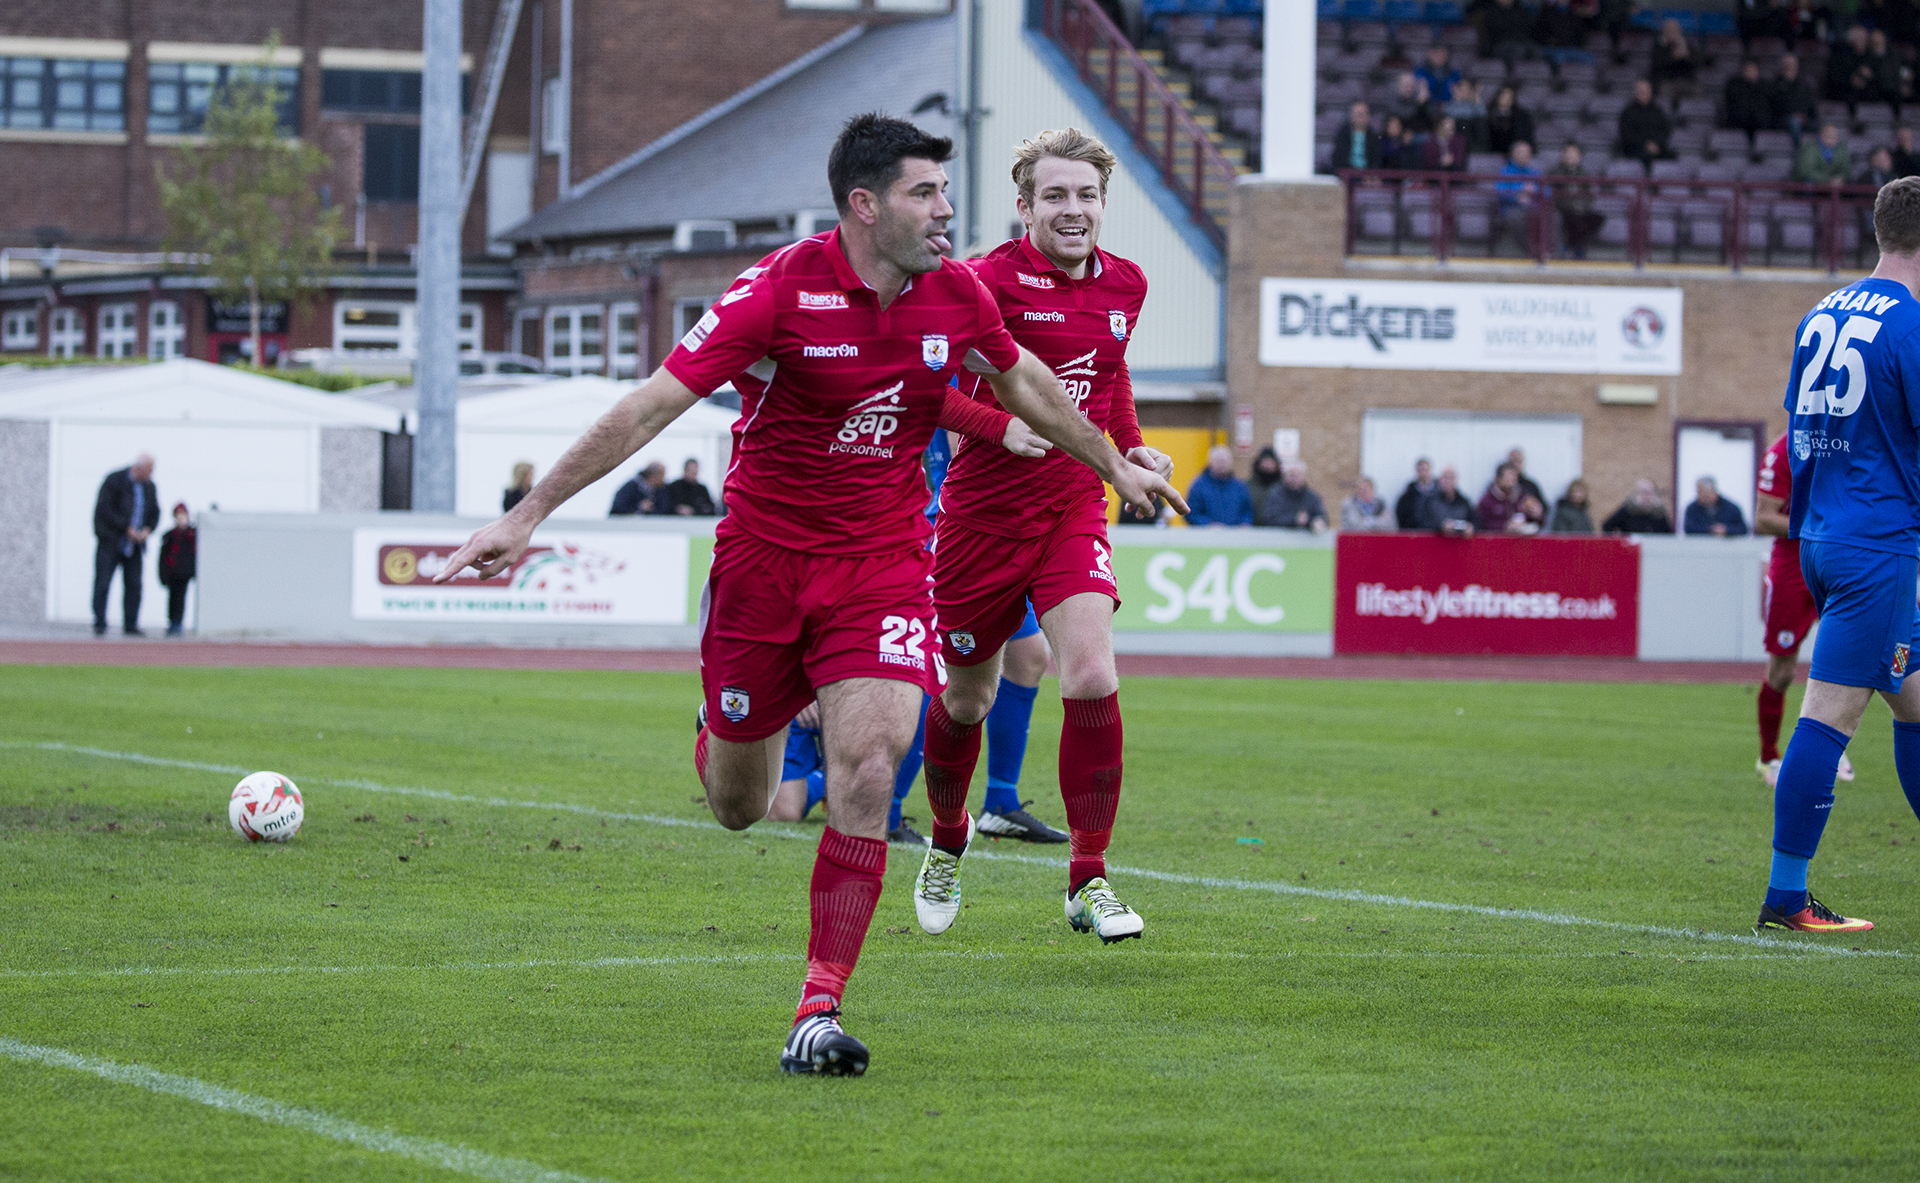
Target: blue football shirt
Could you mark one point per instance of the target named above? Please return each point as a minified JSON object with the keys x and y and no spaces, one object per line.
{"x":1853,"y":401}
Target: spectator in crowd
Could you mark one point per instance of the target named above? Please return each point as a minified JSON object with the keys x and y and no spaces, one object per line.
{"x":1792,"y":100}
{"x":1763,"y":18}
{"x":1711,"y":513}
{"x":1823,"y":159}
{"x":1645,"y":128}
{"x":1469,"y":114}
{"x":1579,"y":222}
{"x":687,"y":496}
{"x":1439,"y":74}
{"x":1406,"y":511}
{"x":1411,"y":103}
{"x":1446,"y":509}
{"x":1508,"y":123}
{"x":1879,"y":168}
{"x":1896,"y":17}
{"x":518,"y":487}
{"x":1614,"y":18}
{"x":1675,"y":65}
{"x":1518,"y":458}
{"x":1506,"y":32}
{"x":1745,"y":103}
{"x":1446,"y":150}
{"x":1356,"y":145}
{"x":1518,"y":199}
{"x":1642,"y":513}
{"x":1217,"y":497}
{"x":1264,"y":476}
{"x":124,"y":515}
{"x":1906,"y":162}
{"x":1398,"y":149}
{"x":177,"y":567}
{"x":1501,"y":509}
{"x":642,"y":494}
{"x":1561,"y":33}
{"x":1849,"y":73}
{"x":1292,"y":504}
{"x":1888,"y":83}
{"x":1365,"y":509}
{"x":1570,"y":513}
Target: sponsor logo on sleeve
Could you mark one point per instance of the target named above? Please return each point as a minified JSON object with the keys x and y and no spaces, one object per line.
{"x":1117,"y":324}
{"x":823,"y":300}
{"x":830,"y":351}
{"x":736,"y":294}
{"x":933,"y":350}
{"x":697,"y":335}
{"x":1042,"y":282}
{"x":735,"y":703}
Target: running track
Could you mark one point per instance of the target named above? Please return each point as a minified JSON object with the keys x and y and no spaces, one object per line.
{"x":131,"y":652}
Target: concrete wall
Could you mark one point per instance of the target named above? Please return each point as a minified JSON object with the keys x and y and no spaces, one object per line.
{"x":349,"y":469}
{"x":23,"y":524}
{"x":1738,"y":343}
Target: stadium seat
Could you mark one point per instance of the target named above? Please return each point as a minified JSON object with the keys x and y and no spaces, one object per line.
{"x":1461,"y":39}
{"x":1405,"y":12}
{"x":1578,"y":76}
{"x":1727,"y":141}
{"x":1472,"y":216}
{"x":1698,"y":110}
{"x":1485,"y":162}
{"x":1606,"y":108}
{"x":1445,"y":12}
{"x":1365,"y":10}
{"x":1625,"y":168}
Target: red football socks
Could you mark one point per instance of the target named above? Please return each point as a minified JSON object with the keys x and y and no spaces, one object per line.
{"x":1773,"y":705}
{"x":700,"y":756}
{"x":846,"y":887}
{"x":952,"y":749}
{"x":1090,"y":766}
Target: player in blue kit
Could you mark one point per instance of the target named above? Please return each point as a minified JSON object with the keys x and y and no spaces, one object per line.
{"x":1853,"y":398}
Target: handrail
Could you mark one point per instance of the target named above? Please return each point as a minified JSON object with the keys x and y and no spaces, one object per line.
{"x":1738,"y":201}
{"x":1079,"y":27}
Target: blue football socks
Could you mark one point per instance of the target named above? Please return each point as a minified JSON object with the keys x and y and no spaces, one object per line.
{"x":1802,"y":800}
{"x":1007,"y":726}
{"x":816,"y":790}
{"x":909,"y":767}
{"x":1906,"y":761}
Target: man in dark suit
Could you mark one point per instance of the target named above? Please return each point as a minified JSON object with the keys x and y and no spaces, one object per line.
{"x":1356,"y":145}
{"x":125,"y":513}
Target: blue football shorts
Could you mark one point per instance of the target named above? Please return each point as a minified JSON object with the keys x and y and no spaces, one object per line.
{"x":1868,"y":619}
{"x":1029,"y":626}
{"x":804,"y":756}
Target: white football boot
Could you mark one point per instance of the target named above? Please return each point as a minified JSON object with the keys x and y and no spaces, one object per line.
{"x":1095,"y":909}
{"x":936,"y":889}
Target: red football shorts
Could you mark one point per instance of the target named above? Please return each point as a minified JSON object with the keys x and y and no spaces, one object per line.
{"x":982,"y":581}
{"x":1788,"y":605}
{"x":777,"y":623}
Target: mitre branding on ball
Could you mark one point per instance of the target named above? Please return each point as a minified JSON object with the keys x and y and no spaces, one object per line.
{"x":266,"y":807}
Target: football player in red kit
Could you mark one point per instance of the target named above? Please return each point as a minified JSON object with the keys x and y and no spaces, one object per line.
{"x":1787,"y":606}
{"x":820,"y":581}
{"x":1014,"y":528}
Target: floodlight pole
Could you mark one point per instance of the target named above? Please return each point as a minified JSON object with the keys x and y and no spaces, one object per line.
{"x":436,"y":372}
{"x":1286,"y":91}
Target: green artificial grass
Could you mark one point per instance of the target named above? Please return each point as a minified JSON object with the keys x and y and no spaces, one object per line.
{"x":606,"y":995}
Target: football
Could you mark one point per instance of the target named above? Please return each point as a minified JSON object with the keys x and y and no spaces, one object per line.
{"x":266,"y":806}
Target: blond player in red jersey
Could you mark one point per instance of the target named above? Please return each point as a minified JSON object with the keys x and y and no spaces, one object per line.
{"x":1013,"y":529}
{"x":820,"y":575}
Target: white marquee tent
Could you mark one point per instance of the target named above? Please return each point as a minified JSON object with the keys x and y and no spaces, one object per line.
{"x":219,"y":437}
{"x":537,"y":422}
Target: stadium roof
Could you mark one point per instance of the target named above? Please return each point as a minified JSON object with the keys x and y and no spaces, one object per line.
{"x":763,"y":153}
{"x":183,"y":390}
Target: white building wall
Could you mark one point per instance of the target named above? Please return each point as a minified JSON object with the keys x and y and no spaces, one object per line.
{"x":1180,"y":327}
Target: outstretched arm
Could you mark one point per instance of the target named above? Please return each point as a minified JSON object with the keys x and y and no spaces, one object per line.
{"x":622,"y":431}
{"x":970,"y":418}
{"x":1031,"y":392}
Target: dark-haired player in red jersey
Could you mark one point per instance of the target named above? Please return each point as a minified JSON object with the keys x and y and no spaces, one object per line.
{"x":1787,"y":606}
{"x":821,"y":584}
{"x":1075,"y":306}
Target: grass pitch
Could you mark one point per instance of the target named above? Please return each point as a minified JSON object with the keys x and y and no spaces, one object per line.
{"x":595,"y":991}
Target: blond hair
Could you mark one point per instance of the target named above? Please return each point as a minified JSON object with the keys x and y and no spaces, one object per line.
{"x":1067,"y":144}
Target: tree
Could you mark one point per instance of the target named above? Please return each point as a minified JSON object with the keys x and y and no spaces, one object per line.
{"x":248,"y":199}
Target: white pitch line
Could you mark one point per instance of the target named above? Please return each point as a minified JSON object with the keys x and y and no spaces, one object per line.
{"x":1344,"y":895}
{"x":445,"y":1155}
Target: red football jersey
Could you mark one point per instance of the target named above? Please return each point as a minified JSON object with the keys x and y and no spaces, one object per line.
{"x":1776,"y":479}
{"x":1080,"y":328}
{"x":839,"y":397}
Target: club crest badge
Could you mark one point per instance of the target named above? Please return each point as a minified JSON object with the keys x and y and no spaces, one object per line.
{"x":1899,"y":661}
{"x":933,"y":351}
{"x":1802,"y":444}
{"x":1117,"y":322}
{"x":961,"y":640}
{"x":734,"y":703}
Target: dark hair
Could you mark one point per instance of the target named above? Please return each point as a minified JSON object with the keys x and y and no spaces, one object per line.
{"x":1896,"y":216}
{"x":868,"y":153}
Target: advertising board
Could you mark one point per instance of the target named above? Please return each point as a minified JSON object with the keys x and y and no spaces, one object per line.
{"x":1194,"y":587}
{"x":585,"y":578}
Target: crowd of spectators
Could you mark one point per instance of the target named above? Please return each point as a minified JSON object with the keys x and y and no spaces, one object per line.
{"x":649,"y":492}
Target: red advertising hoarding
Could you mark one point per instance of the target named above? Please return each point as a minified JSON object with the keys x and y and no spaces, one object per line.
{"x":1420,"y":593}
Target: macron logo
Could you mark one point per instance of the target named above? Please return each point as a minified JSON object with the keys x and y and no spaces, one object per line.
{"x":823,"y":300}
{"x":1044,"y":283}
{"x":1055,"y":317}
{"x":830,"y":351}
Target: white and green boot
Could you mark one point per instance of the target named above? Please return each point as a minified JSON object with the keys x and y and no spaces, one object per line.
{"x":1095,"y":909}
{"x":936,"y":889}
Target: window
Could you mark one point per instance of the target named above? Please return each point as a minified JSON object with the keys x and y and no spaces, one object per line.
{"x":388,"y":327}
{"x":391,"y":170}
{"x":64,"y":334}
{"x":687,"y":313}
{"x":575,"y":340}
{"x":166,"y":331}
{"x":553,"y":117}
{"x":20,"y":329}
{"x":626,"y":339}
{"x":178,"y":94}
{"x":394,"y":92}
{"x":63,"y":94}
{"x":119,"y":330}
{"x":527,"y":333}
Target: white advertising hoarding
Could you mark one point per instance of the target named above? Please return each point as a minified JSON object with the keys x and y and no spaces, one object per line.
{"x":1494,"y":327}
{"x":585,"y":578}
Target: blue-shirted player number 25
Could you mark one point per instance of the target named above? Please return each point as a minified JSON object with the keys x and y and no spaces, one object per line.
{"x":1829,"y":339}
